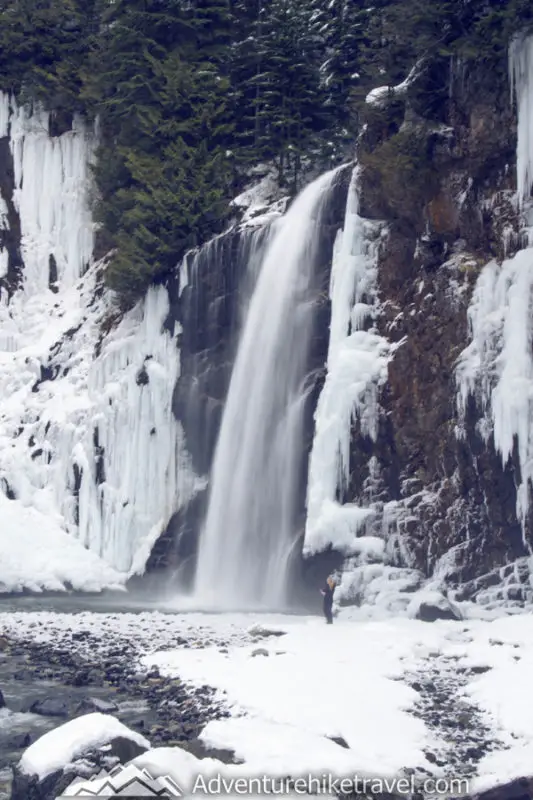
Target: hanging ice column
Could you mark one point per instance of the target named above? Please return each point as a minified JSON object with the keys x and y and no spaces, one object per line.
{"x":356,"y":368}
{"x":52,"y":180}
{"x":249,"y":529}
{"x":497,"y":366}
{"x":521,"y":78}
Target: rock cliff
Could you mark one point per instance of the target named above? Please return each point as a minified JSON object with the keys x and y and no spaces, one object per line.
{"x":438,"y":172}
{"x":439,"y":166}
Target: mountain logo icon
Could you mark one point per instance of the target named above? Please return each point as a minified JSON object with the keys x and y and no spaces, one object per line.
{"x":129,"y":781}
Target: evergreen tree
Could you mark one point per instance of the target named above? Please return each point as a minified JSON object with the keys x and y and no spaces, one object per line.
{"x":162,"y":170}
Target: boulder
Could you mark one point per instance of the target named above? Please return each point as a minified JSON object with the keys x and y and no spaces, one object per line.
{"x":431,"y":606}
{"x":518,"y":789}
{"x":89,"y":704}
{"x":50,"y":707}
{"x":82,"y":748}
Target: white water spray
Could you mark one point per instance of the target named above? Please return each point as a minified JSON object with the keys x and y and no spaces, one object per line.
{"x":249,"y":529}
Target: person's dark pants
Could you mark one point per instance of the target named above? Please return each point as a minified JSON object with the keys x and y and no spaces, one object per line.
{"x":328,"y":614}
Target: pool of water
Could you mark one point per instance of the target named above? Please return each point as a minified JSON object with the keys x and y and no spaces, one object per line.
{"x":129,"y":603}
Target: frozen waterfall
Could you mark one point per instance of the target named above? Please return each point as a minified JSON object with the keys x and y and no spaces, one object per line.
{"x":521,"y":75}
{"x":250,"y":525}
{"x":90,"y":452}
{"x":51,"y":186}
{"x":356,"y":368}
{"x":497,"y":366}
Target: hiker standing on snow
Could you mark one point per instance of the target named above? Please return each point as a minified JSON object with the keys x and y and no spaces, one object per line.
{"x":327,"y":592}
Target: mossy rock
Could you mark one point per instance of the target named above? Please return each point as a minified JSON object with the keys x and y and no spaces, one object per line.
{"x":399,"y":176}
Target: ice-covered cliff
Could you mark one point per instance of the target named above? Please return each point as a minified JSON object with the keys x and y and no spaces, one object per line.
{"x":438,"y":487}
{"x":92,"y":460}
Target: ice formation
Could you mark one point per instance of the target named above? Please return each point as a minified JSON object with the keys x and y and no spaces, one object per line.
{"x":521,"y":74}
{"x":356,"y":368}
{"x":52,"y":178}
{"x":497,"y":366}
{"x":249,"y":529}
{"x":87,"y":433}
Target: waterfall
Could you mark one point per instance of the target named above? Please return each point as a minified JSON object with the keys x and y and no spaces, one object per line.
{"x":497,"y":366}
{"x":250,"y":523}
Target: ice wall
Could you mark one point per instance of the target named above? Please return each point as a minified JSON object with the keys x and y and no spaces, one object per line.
{"x":356,"y":368}
{"x":497,"y":366}
{"x":521,"y":75}
{"x":52,"y":186}
{"x":88,"y":439}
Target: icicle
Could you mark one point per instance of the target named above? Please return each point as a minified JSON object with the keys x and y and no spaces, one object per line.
{"x":497,"y":366}
{"x":356,"y":367}
{"x":4,"y":114}
{"x":521,"y":77}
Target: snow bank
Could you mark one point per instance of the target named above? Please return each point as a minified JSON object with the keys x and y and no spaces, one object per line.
{"x":38,"y":555}
{"x":59,"y":747}
{"x":318,"y":681}
{"x":506,"y":648}
{"x":356,"y":368}
{"x":381,"y":94}
{"x":261,"y":202}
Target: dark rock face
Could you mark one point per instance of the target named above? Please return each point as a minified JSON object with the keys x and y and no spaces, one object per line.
{"x":519,"y":789}
{"x":11,"y":235}
{"x":50,"y":707}
{"x":443,"y":184}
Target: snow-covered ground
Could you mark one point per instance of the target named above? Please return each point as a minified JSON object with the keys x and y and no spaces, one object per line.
{"x":294,"y":697}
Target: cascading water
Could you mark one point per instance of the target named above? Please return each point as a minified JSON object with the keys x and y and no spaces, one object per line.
{"x":249,"y":529}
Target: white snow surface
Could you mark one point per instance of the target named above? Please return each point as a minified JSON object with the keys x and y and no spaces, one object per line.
{"x":89,"y":446}
{"x":356,"y":369}
{"x":38,"y":555}
{"x":317,"y":681}
{"x":60,"y":746}
{"x":378,"y":97}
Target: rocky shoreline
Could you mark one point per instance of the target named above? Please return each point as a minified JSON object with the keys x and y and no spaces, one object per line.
{"x":56,"y":668}
{"x":56,"y":684}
